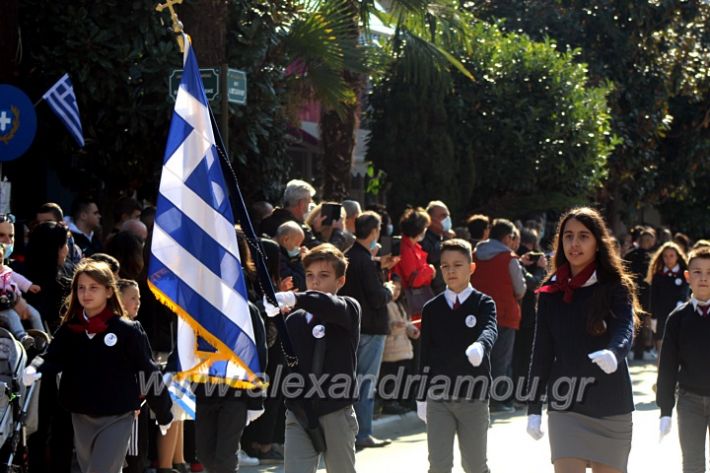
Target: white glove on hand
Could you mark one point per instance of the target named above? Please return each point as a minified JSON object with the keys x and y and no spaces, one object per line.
{"x":164,"y":428}
{"x":535,"y":426}
{"x":664,"y":427}
{"x":421,"y":410}
{"x":605,"y":359}
{"x":271,"y":310}
{"x":253,"y":415}
{"x":30,"y":375}
{"x":475,"y":353}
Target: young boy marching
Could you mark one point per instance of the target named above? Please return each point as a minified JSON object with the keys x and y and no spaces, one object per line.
{"x":324,"y":329}
{"x":685,"y":361}
{"x":457,"y":333}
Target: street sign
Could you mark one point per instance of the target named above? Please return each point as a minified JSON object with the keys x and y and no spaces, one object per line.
{"x":18,"y":122}
{"x":210,"y":79}
{"x":236,"y":86}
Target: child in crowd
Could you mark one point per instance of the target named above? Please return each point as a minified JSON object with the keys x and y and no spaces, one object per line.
{"x":101,"y":354}
{"x":14,"y":309}
{"x":457,"y":334}
{"x":137,"y":456}
{"x":290,"y":237}
{"x":399,"y":352}
{"x":685,"y":364}
{"x":669,"y":289}
{"x":324,"y":329}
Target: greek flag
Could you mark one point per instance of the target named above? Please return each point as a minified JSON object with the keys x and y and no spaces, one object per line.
{"x":195,"y":266}
{"x":62,"y":100}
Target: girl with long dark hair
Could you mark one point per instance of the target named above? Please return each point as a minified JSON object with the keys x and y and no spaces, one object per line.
{"x":587,"y":313}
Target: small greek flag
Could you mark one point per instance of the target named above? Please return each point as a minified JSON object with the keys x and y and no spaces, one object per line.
{"x":62,"y":100}
{"x":195,"y":267}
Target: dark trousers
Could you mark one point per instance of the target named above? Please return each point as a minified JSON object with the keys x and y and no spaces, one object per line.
{"x":502,"y":359}
{"x":270,"y":427}
{"x":52,"y":446}
{"x":137,"y":463}
{"x":219,"y":424}
{"x":392,"y":387}
{"x":522,"y":350}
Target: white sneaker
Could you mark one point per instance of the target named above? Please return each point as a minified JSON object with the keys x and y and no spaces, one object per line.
{"x":246,"y":460}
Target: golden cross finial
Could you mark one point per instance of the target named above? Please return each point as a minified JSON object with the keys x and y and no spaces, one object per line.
{"x":177,"y":24}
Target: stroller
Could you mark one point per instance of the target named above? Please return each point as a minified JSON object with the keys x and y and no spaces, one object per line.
{"x":18,"y":404}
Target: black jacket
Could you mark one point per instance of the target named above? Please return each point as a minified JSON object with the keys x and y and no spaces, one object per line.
{"x":364,"y":283}
{"x":292,"y":267}
{"x":432,"y":245}
{"x":339,"y":321}
{"x":88,"y":247}
{"x":108,"y":374}
{"x":560,"y":351}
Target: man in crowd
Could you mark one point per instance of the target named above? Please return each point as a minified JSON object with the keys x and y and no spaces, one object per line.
{"x":352,"y":212}
{"x":298,"y":202}
{"x":364,"y":284}
{"x":86,"y":220}
{"x":438,"y":231}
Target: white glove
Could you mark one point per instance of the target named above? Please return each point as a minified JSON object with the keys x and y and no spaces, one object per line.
{"x":286,"y":299}
{"x":271,"y":310}
{"x":535,"y":426}
{"x":164,"y":428}
{"x":605,"y":359}
{"x":30,"y":375}
{"x":253,"y":415}
{"x":475,"y":353}
{"x":664,"y":427}
{"x":421,"y":410}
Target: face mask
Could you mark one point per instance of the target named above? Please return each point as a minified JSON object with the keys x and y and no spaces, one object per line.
{"x":390,"y":229}
{"x":8,"y":248}
{"x":311,"y":206}
{"x":294,"y":252}
{"x":446,"y":224}
{"x":373,"y":245}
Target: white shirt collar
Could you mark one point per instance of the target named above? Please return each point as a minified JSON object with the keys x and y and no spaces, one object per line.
{"x":697,"y":302}
{"x":592,"y":279}
{"x":462,"y":296}
{"x":74,"y":229}
{"x":675,"y":269}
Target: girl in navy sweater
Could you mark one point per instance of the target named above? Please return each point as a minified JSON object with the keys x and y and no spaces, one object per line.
{"x":584,"y":329}
{"x":101,"y":354}
{"x":669,"y":289}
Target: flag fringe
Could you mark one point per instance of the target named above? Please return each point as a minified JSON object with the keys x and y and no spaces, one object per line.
{"x":223,"y":352}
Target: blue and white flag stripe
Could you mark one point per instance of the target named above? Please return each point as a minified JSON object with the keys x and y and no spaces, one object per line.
{"x":182,"y":395}
{"x":62,"y":100}
{"x":195,"y":265}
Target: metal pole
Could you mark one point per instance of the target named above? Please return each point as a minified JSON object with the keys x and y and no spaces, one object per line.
{"x":224,"y":119}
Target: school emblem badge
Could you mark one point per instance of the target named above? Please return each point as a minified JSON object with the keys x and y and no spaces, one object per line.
{"x":318,"y":331}
{"x":110,"y":339}
{"x":471,"y":321}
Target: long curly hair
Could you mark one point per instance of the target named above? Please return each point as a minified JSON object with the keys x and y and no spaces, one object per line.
{"x":656,"y":265}
{"x":610,"y":268}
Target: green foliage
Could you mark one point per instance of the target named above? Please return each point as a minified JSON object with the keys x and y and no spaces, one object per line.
{"x":531,"y":125}
{"x":653,"y":52}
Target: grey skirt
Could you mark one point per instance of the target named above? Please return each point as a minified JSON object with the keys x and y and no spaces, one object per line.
{"x":606,"y":440}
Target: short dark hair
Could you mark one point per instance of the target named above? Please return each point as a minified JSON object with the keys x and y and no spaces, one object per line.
{"x":81,"y":204}
{"x":330,"y":254}
{"x":109,"y":260}
{"x":458,"y":245}
{"x":702,"y":252}
{"x":125,"y":206}
{"x":477,"y":225}
{"x":365,"y":223}
{"x":414,"y":222}
{"x":54,"y":209}
{"x":528,"y":237}
{"x":501,"y":228}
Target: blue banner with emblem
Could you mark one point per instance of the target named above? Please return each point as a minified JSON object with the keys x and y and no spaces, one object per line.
{"x":18,"y":122}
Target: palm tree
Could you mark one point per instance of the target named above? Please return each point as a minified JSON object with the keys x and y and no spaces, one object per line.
{"x":326,"y":39}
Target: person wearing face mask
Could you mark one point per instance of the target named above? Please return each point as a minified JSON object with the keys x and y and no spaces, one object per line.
{"x":290,"y":238}
{"x":439,"y":230}
{"x":364,"y":283}
{"x":298,"y":204}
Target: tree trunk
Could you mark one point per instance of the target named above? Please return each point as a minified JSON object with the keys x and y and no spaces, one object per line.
{"x":206,"y":23}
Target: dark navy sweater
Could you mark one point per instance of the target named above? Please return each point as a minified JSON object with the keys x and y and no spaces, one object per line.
{"x":445,"y":335}
{"x":560,"y":366}
{"x":685,"y":357}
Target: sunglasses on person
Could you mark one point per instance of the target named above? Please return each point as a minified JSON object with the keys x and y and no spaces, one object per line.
{"x":7,"y":218}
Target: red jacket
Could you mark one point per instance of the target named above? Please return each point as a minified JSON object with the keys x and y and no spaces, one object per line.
{"x":412,"y":267}
{"x":492,"y":277}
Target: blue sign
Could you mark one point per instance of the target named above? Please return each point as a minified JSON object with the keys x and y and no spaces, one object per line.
{"x":18,"y":122}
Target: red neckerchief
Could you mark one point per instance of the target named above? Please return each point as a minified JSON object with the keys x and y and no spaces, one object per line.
{"x":95,"y":324}
{"x":564,"y":283}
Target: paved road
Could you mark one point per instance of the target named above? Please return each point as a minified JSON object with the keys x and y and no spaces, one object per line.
{"x":509,"y":447}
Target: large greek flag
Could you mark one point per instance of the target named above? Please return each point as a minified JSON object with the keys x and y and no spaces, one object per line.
{"x":62,"y":101}
{"x":195,"y":265}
